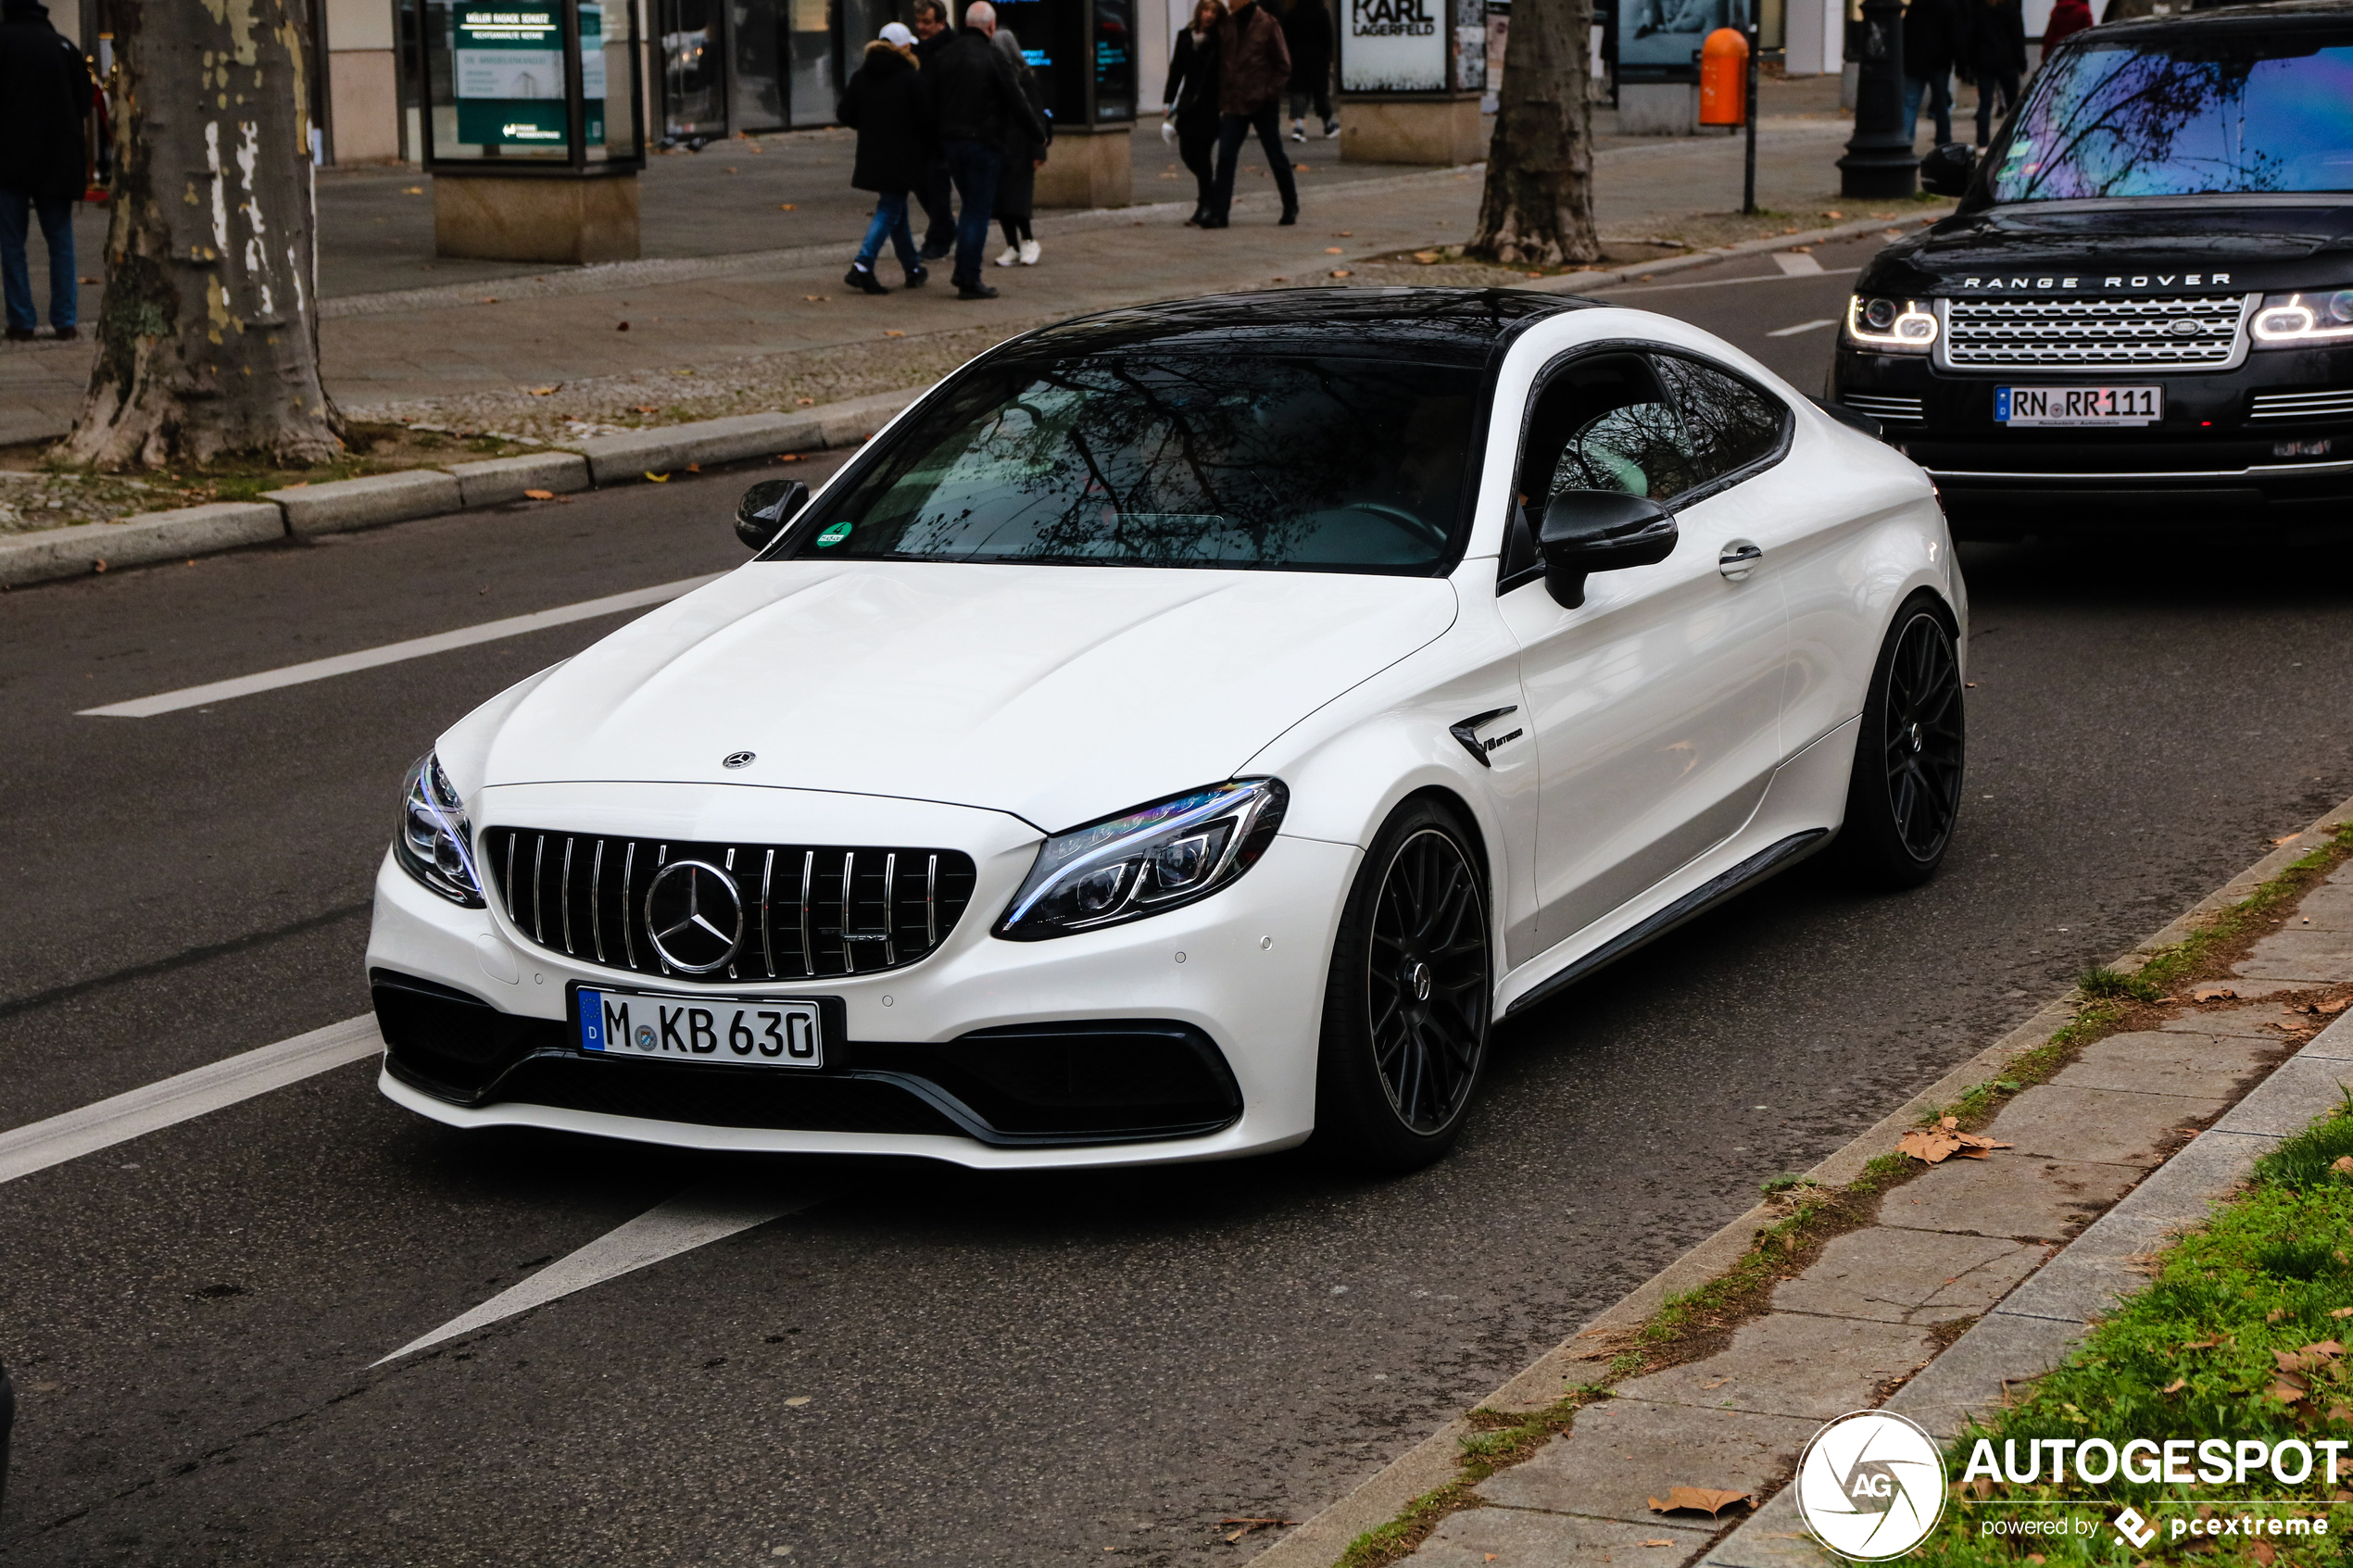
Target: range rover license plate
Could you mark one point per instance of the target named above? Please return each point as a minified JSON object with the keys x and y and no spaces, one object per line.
{"x":2027,"y":406}
{"x":743,"y":1032}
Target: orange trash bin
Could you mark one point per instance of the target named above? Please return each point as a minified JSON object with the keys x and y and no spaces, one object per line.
{"x":1723,"y":78}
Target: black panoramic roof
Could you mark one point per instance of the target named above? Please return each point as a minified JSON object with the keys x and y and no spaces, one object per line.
{"x":1451,"y":326}
{"x":2218,"y":20}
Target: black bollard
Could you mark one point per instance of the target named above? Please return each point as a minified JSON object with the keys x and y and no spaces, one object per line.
{"x":1879,"y":165}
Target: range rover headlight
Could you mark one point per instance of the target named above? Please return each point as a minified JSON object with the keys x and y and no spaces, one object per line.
{"x":434,"y":843}
{"x":1890,"y":326}
{"x":1147,"y":860}
{"x":2293,"y":320}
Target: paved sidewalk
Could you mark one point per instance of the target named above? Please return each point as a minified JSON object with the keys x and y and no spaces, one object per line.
{"x":2131,"y":1141}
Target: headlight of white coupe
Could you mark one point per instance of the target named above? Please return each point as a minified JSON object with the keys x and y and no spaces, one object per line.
{"x":2296,"y":320}
{"x":435,"y":844}
{"x":1144,"y":862}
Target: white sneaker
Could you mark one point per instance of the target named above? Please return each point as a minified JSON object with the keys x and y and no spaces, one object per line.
{"x":1331,"y":129}
{"x":1030,"y":251}
{"x":1010,"y":255}
{"x":1298,"y":131}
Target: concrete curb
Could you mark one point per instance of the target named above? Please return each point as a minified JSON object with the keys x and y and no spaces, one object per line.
{"x":2018,"y":1345}
{"x":1578,"y":282}
{"x":346,"y":504}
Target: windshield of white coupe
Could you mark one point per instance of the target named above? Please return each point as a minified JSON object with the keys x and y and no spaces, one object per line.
{"x":1243,"y":462}
{"x":2185,"y":117}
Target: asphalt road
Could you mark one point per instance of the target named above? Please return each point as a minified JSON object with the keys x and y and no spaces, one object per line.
{"x":997,"y":1370}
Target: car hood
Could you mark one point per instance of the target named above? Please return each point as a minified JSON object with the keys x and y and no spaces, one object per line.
{"x":1058,"y":694}
{"x":2268,"y":243}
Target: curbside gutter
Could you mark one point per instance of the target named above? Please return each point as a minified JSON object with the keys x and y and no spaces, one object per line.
{"x":1577,"y":283}
{"x":2016,"y":1340}
{"x":305,"y":511}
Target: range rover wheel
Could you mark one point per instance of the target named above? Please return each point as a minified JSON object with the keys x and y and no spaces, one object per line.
{"x":1905,"y":790}
{"x":1406,"y":1009}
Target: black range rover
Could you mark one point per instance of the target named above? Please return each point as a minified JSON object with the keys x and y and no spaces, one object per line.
{"x":2145,"y":302}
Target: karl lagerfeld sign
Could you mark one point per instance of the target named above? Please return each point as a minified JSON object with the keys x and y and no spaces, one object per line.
{"x":1393,"y":46}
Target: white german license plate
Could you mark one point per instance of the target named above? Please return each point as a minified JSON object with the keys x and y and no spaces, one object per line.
{"x":2078,"y":405}
{"x":742,"y":1032}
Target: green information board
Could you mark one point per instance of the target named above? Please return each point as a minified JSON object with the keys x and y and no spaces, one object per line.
{"x":510,"y":75}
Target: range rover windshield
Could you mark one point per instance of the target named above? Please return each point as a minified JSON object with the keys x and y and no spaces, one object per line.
{"x":2182,"y":116}
{"x":1244,"y":461}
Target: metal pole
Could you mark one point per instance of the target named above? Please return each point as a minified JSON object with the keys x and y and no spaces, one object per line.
{"x":1879,"y":165}
{"x":1748,"y":171}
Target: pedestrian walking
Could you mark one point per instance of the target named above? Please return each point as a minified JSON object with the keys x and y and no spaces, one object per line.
{"x":1254,"y":68}
{"x":45,"y":162}
{"x":1025,"y":156}
{"x":1307,"y":33}
{"x":1997,"y":57}
{"x":1188,"y":104}
{"x":2068,"y":18}
{"x":884,"y":103}
{"x":1930,"y":32}
{"x":976,"y":105}
{"x":932,"y":35}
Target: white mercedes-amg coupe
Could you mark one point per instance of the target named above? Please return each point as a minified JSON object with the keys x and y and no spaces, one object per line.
{"x":1182,"y":732}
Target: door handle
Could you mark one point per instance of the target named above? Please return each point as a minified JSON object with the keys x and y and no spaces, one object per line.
{"x":1740,"y":558}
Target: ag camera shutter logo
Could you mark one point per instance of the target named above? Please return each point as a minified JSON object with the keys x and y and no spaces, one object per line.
{"x":1871,"y":1485}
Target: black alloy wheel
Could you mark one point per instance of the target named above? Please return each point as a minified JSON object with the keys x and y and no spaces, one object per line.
{"x":1906,"y":792}
{"x":1406,"y":1013}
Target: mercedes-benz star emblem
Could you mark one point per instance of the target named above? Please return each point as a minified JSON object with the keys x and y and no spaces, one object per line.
{"x":695,"y":916}
{"x":739,"y":760}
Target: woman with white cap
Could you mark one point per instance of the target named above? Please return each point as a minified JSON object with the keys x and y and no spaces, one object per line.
{"x":884,"y":103}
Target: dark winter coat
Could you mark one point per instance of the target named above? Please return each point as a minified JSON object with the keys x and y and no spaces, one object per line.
{"x":1997,"y":38}
{"x":1932,"y":38}
{"x":1307,"y":33}
{"x":974,"y":95}
{"x":886,"y":103}
{"x":1254,"y":63}
{"x":1017,"y":181}
{"x":2068,"y":18}
{"x":1192,"y":83}
{"x":45,"y":97}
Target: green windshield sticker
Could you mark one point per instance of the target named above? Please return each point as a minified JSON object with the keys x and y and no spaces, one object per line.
{"x":833,"y":535}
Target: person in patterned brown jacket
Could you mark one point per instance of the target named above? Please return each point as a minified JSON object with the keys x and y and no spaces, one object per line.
{"x":1254,"y":68}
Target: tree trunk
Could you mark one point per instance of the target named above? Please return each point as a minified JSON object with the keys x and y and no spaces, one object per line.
{"x":208,"y":336}
{"x":1537,"y":206}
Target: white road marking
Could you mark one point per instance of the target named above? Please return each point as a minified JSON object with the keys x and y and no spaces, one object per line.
{"x":394,"y":652}
{"x":41,"y":1144}
{"x":1803,"y":326}
{"x":692,"y":1219}
{"x":1714,"y":283}
{"x":1796,"y":264}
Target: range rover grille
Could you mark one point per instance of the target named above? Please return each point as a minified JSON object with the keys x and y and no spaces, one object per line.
{"x":2275,"y":408}
{"x":796,"y":912}
{"x":2181,"y":331}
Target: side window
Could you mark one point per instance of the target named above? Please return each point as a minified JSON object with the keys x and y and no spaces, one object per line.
{"x":1601,"y":422}
{"x":1732,"y":424}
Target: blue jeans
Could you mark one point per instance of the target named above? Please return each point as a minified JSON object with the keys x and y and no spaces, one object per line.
{"x":1938,"y":94}
{"x":974,"y":166}
{"x":16,"y":276}
{"x":890,"y":223}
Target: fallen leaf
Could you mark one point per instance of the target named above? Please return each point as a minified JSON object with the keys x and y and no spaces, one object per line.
{"x":1340,"y":273}
{"x":1282,"y":280}
{"x":2261,"y":1551}
{"x":2288,"y":1387}
{"x":1834,"y":216}
{"x":1717,"y":1384}
{"x":1710,"y":1500}
{"x":888,"y":332}
{"x":490,"y":299}
{"x":2342,"y":1312}
{"x":2339,"y":1413}
{"x":1983,"y":1486}
{"x":816,"y":298}
{"x":2343,"y":1163}
{"x":1348,"y":234}
{"x":543,"y":392}
{"x":414,"y":191}
{"x":1331,"y":250}
{"x":2331,"y":1008}
{"x":2035,"y":1559}
{"x":1301,"y":168}
{"x":540,"y":494}
{"x":1427,"y":258}
{"x":798,"y":1399}
{"x":804,"y":402}
{"x":788,"y":207}
{"x":2324,"y":1352}
{"x":2175,"y":1386}
{"x":1948,"y":1123}
{"x":97,"y":566}
{"x":2212,"y":994}
{"x":2275,"y":1314}
{"x":663,"y":478}
{"x":694,"y":467}
{"x":1491,"y":1559}
{"x":643,"y":409}
{"x":788,"y":457}
{"x":2289,"y":839}
{"x":2201,"y":1344}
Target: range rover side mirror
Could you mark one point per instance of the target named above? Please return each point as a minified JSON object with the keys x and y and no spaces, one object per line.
{"x":1946,"y":170}
{"x":1590,"y":530}
{"x":766,"y":508}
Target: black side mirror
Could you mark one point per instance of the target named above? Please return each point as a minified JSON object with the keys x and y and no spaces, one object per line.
{"x":766,"y":508}
{"x":1946,"y":170}
{"x":1589,"y":531}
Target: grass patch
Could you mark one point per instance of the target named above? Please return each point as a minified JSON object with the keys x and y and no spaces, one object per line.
{"x":1503,"y":1439}
{"x":2199,"y":1354}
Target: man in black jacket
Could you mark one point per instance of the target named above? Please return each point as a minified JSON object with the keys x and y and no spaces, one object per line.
{"x":977,"y":103}
{"x":932,"y":35}
{"x":1931,"y":36}
{"x":45,"y":96}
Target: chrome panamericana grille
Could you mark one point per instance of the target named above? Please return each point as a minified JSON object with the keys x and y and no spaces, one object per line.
{"x":1884,"y":406}
{"x":806,"y":911}
{"x":2277,"y":407}
{"x":2181,"y":331}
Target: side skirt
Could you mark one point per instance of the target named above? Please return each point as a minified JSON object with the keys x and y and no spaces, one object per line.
{"x":1764,"y":863}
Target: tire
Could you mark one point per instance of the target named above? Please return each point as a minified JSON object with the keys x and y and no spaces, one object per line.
{"x":1406,"y":1008}
{"x":1905,"y":792}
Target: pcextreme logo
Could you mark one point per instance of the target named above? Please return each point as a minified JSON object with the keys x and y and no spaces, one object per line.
{"x":1870,"y":1486}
